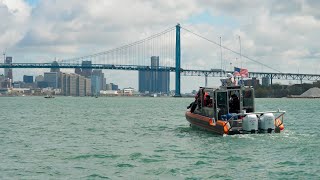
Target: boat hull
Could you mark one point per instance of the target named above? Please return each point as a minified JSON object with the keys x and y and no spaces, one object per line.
{"x":223,"y":127}
{"x":206,"y":123}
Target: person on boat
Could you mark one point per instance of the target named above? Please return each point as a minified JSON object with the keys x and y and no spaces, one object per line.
{"x":196,"y":102}
{"x":207,"y":100}
{"x":234,"y":104}
{"x":230,"y":81}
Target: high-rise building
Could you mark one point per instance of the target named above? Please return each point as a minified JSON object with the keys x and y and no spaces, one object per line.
{"x":102,"y":81}
{"x":154,"y":80}
{"x":144,"y":81}
{"x":51,"y":78}
{"x":81,"y":86}
{"x":8,"y":71}
{"x":55,"y":68}
{"x":87,"y":87}
{"x":73,"y":84}
{"x":27,"y":79}
{"x":65,"y":78}
{"x":87,"y":71}
{"x":62,"y":83}
{"x":95,"y":85}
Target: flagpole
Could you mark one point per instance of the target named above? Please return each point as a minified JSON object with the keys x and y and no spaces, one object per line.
{"x":240,"y":50}
{"x":221,"y":55}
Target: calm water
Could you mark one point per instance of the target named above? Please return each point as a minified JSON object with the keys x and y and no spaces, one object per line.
{"x":149,"y":138}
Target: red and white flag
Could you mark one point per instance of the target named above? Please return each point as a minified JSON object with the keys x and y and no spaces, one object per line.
{"x":241,"y":72}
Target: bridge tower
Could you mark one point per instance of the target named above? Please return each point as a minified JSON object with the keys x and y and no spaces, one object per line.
{"x":178,"y":62}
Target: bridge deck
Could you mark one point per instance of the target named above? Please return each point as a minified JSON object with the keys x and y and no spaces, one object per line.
{"x":184,"y":72}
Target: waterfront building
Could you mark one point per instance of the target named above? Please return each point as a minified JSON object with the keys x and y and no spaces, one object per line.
{"x":109,"y":86}
{"x":251,"y":82}
{"x":17,"y":84}
{"x":81,"y":86}
{"x":109,"y":93}
{"x":7,"y":83}
{"x":100,"y":74}
{"x":73,"y":84}
{"x":27,"y":79}
{"x":114,"y":87}
{"x":95,"y":85}
{"x":128,"y":91}
{"x":155,"y":80}
{"x":51,"y":78}
{"x":8,"y":71}
{"x":66,"y":85}
{"x":87,"y":87}
{"x":265,"y":81}
{"x":2,"y":79}
{"x":144,"y":81}
{"x":62,"y":83}
{"x":39,"y":78}
{"x":104,"y":83}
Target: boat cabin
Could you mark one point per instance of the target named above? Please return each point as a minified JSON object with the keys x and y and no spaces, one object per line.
{"x":215,"y":103}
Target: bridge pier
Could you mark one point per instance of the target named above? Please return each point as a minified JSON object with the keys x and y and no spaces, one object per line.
{"x":178,"y":63}
{"x":206,"y":80}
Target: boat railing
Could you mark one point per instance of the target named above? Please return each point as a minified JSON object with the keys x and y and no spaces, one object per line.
{"x":234,"y":121}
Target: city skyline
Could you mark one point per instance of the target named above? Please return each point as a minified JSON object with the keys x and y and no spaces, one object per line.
{"x":281,"y":34}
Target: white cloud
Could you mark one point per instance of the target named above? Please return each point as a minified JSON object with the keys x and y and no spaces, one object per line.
{"x":281,"y":34}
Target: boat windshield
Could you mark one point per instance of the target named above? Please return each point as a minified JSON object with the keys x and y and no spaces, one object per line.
{"x":248,"y":100}
{"x":222,"y":103}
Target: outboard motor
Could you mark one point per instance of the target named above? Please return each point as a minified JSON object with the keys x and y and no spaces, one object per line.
{"x":250,"y":123}
{"x":266,"y":123}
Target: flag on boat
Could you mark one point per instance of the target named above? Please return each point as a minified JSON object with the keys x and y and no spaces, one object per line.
{"x":240,"y":72}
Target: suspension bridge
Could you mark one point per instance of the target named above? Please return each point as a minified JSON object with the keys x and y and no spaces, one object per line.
{"x":167,"y":46}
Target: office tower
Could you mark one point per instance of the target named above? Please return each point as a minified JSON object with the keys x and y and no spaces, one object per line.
{"x":55,"y":68}
{"x":87,"y":71}
{"x":81,"y":86}
{"x":154,"y":80}
{"x":102,"y":80}
{"x":8,"y":71}
{"x":27,"y":79}
{"x":51,"y":78}
{"x":66,"y":84}
{"x":87,"y":87}
{"x":95,"y":85}
{"x":73,"y":84}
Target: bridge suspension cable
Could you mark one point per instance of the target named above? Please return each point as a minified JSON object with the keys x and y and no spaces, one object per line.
{"x":137,"y":53}
{"x":229,"y":49}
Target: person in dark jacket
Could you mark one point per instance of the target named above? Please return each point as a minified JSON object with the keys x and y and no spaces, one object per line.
{"x":234,"y":104}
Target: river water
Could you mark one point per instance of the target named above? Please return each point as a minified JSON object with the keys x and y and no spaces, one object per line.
{"x":149,"y":138}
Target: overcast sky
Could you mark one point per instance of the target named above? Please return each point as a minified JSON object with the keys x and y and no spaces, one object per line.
{"x":282,"y":34}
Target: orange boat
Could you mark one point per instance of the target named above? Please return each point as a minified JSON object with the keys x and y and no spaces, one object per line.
{"x":231,"y":110}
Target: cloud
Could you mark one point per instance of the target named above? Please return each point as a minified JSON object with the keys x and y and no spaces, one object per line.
{"x":280,"y":34}
{"x":15,"y":15}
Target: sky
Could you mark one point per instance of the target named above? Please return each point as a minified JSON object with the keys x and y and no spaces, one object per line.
{"x":282,"y":34}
